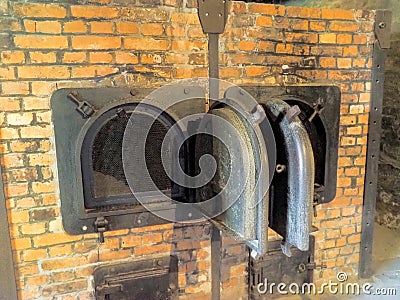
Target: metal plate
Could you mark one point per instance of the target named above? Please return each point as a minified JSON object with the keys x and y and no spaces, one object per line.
{"x":155,"y":279}
{"x":277,"y":268}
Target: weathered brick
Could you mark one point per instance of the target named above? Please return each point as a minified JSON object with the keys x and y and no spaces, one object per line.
{"x":15,"y":88}
{"x":33,"y":229}
{"x":41,"y":41}
{"x":101,"y":27}
{"x":127,"y":27}
{"x":92,"y":71}
{"x":74,"y":57}
{"x":42,"y":57}
{"x":328,"y":38}
{"x":146,"y":44}
{"x":77,"y":26}
{"x":267,"y":9}
{"x":342,"y":26}
{"x":96,"y":42}
{"x":338,"y":14}
{"x":40,"y":10}
{"x":7,"y":73}
{"x":126,"y":58}
{"x":55,"y":239}
{"x":147,"y":14}
{"x":151,"y":29}
{"x":43,"y":72}
{"x":90,"y":12}
{"x":246,"y":45}
{"x":264,"y":21}
{"x":303,"y":12}
{"x":12,"y":57}
{"x":100,"y":57}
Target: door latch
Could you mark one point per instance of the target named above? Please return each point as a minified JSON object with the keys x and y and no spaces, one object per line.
{"x":84,"y":107}
{"x":101,"y":226}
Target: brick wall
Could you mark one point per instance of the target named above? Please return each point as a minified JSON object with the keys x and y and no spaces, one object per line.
{"x":45,"y":46}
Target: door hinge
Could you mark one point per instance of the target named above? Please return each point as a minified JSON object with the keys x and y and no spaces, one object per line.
{"x":101,"y":226}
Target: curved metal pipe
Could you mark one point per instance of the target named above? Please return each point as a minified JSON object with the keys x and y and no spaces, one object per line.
{"x":301,"y":173}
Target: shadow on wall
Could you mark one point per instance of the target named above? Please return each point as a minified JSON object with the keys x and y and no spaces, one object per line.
{"x":388,"y":202}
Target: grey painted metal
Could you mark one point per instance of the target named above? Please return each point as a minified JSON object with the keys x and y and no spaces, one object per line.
{"x":8,"y":286}
{"x":306,"y":96}
{"x":70,"y":127}
{"x":301,"y":172}
{"x":373,"y":146}
{"x":213,"y":15}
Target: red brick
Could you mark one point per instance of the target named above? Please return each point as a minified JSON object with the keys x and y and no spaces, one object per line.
{"x":101,"y":27}
{"x":36,"y":132}
{"x":96,"y":42}
{"x":328,"y":38}
{"x":185,"y":18}
{"x":89,"y":12}
{"x":267,"y":9}
{"x":338,"y":14}
{"x":146,"y":250}
{"x":33,"y":228}
{"x":318,"y":25}
{"x":344,"y":38}
{"x":77,"y":26}
{"x":146,"y":44}
{"x":41,"y":41}
{"x":151,"y":29}
{"x":343,"y":26}
{"x":43,"y":57}
{"x":327,"y":62}
{"x":126,"y":58}
{"x":7,"y":73}
{"x":100,"y":57}
{"x":92,"y":71}
{"x":42,"y":26}
{"x":40,"y":10}
{"x":246,"y":45}
{"x":12,"y":57}
{"x":264,"y":21}
{"x":131,"y":241}
{"x":15,"y":88}
{"x":303,"y":12}
{"x":43,"y":72}
{"x":74,"y":57}
{"x":54,"y":239}
{"x":284,"y":48}
{"x":256,"y":70}
{"x":127,"y":27}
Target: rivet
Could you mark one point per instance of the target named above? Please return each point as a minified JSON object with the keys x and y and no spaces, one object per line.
{"x":84,"y":228}
{"x":186,"y":91}
{"x":139,"y":221}
{"x":133,"y":92}
{"x":382,"y":25}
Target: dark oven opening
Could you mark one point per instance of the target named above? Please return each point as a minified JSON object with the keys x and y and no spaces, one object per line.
{"x":104,"y":182}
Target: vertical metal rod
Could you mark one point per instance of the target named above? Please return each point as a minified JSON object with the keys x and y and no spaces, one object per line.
{"x":216,"y":242}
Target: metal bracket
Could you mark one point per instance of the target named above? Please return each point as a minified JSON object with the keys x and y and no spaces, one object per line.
{"x":101,"y":226}
{"x":83,"y":106}
{"x":383,"y":27}
{"x":213,"y":15}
